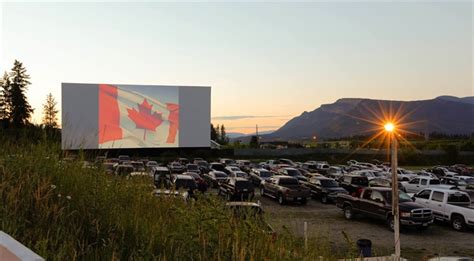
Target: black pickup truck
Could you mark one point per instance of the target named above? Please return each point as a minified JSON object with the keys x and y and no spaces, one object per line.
{"x":377,"y":203}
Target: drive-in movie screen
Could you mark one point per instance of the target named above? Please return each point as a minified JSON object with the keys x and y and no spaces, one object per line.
{"x":134,"y":116}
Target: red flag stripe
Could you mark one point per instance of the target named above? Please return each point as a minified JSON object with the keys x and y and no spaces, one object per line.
{"x":109,"y":114}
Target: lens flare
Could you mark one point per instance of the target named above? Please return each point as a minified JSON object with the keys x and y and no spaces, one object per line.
{"x":389,"y":127}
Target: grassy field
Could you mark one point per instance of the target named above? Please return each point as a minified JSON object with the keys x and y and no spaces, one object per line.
{"x":65,"y":212}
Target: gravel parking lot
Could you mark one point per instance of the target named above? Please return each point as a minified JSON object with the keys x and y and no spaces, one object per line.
{"x":328,"y":221}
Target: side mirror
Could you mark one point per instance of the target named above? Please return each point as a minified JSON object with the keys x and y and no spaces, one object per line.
{"x":413,"y":198}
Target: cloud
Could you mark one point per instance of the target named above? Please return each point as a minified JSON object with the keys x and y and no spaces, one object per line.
{"x":240,"y":117}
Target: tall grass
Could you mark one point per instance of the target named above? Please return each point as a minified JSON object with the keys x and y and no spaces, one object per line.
{"x":65,"y":212}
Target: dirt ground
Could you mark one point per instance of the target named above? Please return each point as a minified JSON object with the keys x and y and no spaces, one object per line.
{"x":328,"y":221}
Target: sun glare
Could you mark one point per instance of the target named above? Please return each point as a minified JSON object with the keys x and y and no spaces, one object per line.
{"x":389,"y":127}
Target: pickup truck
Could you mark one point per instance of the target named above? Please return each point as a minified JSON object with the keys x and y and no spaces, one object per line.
{"x":449,"y":206}
{"x":419,"y":183}
{"x":377,"y":203}
{"x":285,"y":189}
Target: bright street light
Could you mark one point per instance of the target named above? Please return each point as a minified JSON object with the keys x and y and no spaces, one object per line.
{"x":389,"y":127}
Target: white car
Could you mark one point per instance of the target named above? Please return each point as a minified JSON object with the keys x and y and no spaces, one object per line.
{"x":448,"y":205}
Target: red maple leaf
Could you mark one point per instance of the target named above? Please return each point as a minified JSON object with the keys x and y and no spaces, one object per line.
{"x":144,"y":119}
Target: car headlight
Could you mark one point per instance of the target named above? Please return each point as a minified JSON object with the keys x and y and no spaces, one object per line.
{"x":405,"y":214}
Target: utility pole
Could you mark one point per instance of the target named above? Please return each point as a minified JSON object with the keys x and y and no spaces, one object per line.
{"x":395,"y":207}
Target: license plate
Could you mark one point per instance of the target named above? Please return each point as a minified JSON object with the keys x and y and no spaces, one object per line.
{"x":298,"y":198}
{"x":425,"y":224}
{"x":245,"y":190}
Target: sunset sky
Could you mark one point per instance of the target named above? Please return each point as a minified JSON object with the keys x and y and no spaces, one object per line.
{"x":266,"y":62}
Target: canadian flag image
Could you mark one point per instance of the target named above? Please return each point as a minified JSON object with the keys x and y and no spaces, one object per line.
{"x":134,"y":118}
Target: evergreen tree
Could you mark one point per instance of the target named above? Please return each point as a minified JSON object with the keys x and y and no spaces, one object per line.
{"x":253,"y":142}
{"x":5,"y":103}
{"x":50,"y":119}
{"x":213,"y":133}
{"x":20,"y":108}
{"x":218,"y":134}
{"x":224,"y":138}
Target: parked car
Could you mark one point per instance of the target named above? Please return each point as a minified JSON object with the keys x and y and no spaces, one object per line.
{"x":455,"y":182}
{"x":200,"y":182}
{"x":176,"y":167}
{"x":377,"y":203}
{"x":124,"y":170}
{"x":123,"y":158}
{"x":419,"y":183}
{"x":138,"y":166}
{"x":285,"y":189}
{"x":236,"y":189}
{"x":449,"y":206}
{"x":244,"y":165}
{"x":227,"y":162}
{"x":216,"y":166}
{"x":203,"y":166}
{"x":311,"y":167}
{"x":192,"y":168}
{"x":150,"y":164}
{"x":442,"y":172}
{"x":258,"y":175}
{"x":385,"y":183}
{"x":182,"y":161}
{"x":353,"y":184}
{"x":238,"y":174}
{"x":109,"y":167}
{"x":213,"y":178}
{"x":326,"y":189}
{"x":250,"y":210}
{"x":230,"y":169}
{"x":292,"y":172}
{"x":160,"y":175}
{"x":180,"y":181}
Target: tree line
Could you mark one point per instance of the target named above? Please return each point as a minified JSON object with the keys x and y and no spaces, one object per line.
{"x":15,"y":110}
{"x":219,"y":135}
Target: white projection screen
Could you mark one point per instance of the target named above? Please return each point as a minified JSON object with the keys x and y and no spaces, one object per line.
{"x":117,"y":116}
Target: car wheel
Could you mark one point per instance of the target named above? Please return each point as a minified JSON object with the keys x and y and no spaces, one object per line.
{"x":324,"y":199}
{"x":348,"y":213}
{"x":281,"y":201}
{"x":458,"y":223}
{"x":391,"y":223}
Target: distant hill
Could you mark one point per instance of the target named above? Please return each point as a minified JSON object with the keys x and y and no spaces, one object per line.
{"x":444,"y":114}
{"x":246,"y":137}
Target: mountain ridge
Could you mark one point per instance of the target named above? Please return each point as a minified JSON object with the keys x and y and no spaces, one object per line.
{"x":355,"y":116}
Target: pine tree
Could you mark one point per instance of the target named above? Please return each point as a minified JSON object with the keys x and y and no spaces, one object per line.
{"x":218,"y":134}
{"x":50,"y":119}
{"x":20,"y":108}
{"x":213,"y":133}
{"x":224,"y":138}
{"x":5,"y":103}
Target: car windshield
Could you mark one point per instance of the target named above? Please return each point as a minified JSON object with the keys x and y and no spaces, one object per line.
{"x":240,"y":174}
{"x":360,"y":181}
{"x":403,"y":197}
{"x":185,"y":183}
{"x":243,"y":184}
{"x":218,"y":167}
{"x":152,"y":163}
{"x":265,"y":174}
{"x":202,"y":163}
{"x":220,"y":175}
{"x":293,"y":172}
{"x":192,"y":167}
{"x":327,"y":183}
{"x":287,"y":181}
